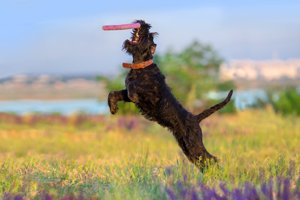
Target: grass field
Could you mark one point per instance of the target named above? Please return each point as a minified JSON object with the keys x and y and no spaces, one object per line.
{"x":130,"y":158}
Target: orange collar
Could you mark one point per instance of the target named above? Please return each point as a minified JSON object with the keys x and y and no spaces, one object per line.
{"x":138,"y":65}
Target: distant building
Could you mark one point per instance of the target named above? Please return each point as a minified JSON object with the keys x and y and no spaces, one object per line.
{"x":20,"y":78}
{"x":268,"y":70}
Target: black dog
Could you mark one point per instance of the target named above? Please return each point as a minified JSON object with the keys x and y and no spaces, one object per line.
{"x":147,"y":89}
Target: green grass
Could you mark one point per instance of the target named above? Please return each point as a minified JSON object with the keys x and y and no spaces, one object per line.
{"x":114,"y":161}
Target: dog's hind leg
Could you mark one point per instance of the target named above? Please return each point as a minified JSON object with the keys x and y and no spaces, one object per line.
{"x":114,"y":97}
{"x":197,"y":151}
{"x":189,"y":138}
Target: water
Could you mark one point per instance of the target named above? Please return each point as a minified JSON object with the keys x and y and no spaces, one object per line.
{"x":246,"y":98}
{"x":64,"y":107}
{"x":242,"y":100}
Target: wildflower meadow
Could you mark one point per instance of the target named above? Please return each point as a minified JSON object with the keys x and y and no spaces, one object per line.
{"x":127,"y":157}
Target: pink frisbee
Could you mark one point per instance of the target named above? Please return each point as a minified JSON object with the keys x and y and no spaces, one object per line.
{"x":121,"y":27}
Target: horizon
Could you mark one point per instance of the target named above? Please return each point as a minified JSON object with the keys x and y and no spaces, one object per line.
{"x":53,"y":37}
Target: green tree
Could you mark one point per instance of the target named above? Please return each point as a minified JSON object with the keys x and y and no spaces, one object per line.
{"x":193,"y":72}
{"x":287,"y":102}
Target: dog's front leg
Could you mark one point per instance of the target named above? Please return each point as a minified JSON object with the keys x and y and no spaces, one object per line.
{"x":132,"y":92}
{"x":114,"y":97}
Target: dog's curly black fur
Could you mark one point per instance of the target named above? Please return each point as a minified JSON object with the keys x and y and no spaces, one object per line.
{"x":147,"y":89}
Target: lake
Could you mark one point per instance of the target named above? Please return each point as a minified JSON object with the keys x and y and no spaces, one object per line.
{"x":64,"y":107}
{"x":242,"y":100}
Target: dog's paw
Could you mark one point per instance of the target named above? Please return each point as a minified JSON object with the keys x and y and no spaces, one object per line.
{"x":113,"y":107}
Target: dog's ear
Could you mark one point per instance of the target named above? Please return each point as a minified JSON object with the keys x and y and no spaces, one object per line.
{"x":154,"y":34}
{"x":153,"y":48}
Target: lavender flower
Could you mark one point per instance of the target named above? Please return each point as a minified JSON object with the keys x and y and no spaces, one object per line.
{"x":283,"y":190}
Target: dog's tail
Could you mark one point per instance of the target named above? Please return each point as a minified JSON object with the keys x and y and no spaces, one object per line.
{"x":214,"y":108}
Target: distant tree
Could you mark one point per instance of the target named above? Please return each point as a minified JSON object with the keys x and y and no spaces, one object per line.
{"x":193,"y":72}
{"x":287,"y":102}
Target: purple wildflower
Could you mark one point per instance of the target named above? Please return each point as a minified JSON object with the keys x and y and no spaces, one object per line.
{"x":171,"y":194}
{"x":194,"y":195}
{"x":18,"y":197}
{"x":266,"y":189}
{"x":224,"y":189}
{"x":286,"y":189}
{"x":168,"y":171}
{"x":250,"y":192}
{"x":237,"y":194}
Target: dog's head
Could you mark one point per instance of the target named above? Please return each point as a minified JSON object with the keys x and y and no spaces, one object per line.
{"x":141,"y":45}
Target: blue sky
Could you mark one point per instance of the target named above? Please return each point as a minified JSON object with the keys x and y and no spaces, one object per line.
{"x":65,"y":37}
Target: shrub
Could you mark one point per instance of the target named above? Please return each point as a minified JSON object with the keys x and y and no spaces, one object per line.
{"x":288,"y":102}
